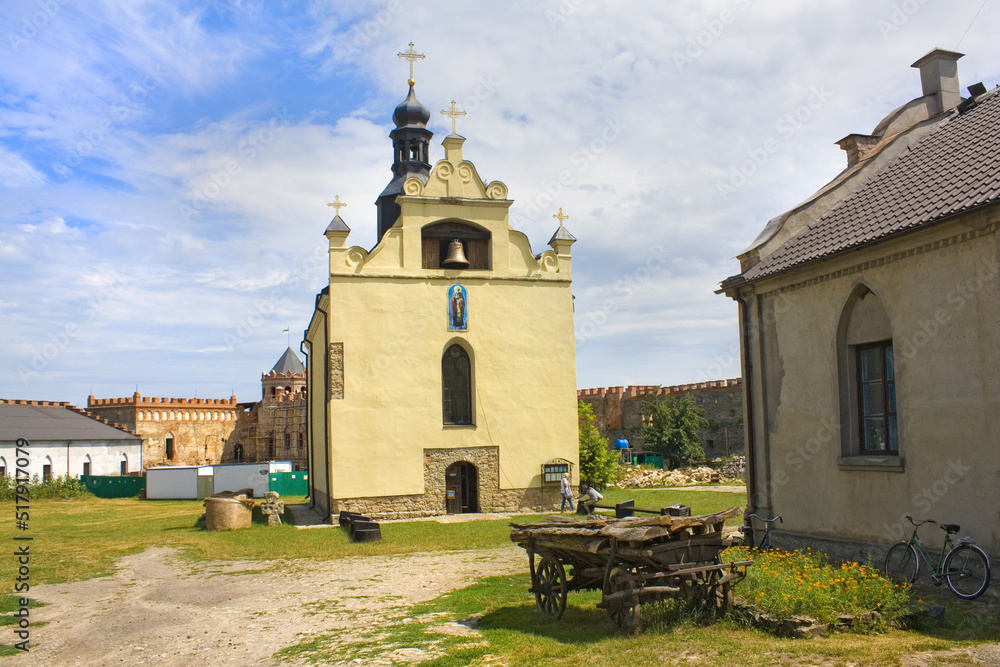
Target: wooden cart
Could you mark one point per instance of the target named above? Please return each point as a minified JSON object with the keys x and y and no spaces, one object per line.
{"x":631,"y":560}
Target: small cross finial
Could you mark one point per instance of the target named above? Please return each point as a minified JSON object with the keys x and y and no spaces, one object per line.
{"x":560,"y":216}
{"x":411,"y":55}
{"x":337,"y":204}
{"x":454,"y":113}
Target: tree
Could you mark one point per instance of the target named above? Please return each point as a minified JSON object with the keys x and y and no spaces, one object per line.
{"x":597,"y":463}
{"x":672,"y":430}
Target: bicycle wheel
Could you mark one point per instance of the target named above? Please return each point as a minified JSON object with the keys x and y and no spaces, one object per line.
{"x":901,"y":563}
{"x":967,"y":570}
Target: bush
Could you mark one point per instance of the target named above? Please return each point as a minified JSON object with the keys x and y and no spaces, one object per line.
{"x":598,"y":464}
{"x":63,"y":487}
{"x":789,"y":583}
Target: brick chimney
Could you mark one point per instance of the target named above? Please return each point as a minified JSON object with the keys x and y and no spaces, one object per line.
{"x":857,"y":146}
{"x":939,"y":77}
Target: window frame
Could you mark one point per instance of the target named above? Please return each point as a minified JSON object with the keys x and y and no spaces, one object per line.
{"x":890,"y":445}
{"x":448,"y":416}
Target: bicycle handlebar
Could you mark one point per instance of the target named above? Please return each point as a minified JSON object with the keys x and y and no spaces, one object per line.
{"x":776,"y":517}
{"x":922,"y":521}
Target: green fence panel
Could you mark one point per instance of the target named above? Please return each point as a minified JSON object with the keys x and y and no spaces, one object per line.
{"x":289,"y":483}
{"x":655,"y":460}
{"x":104,"y":486}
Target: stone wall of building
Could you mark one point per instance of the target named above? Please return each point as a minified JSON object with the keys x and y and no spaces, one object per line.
{"x":619,"y":412}
{"x":274,"y":428}
{"x":432,"y":502}
{"x":199,"y":427}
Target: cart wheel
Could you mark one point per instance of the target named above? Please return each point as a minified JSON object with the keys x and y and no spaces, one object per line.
{"x":550,"y":587}
{"x":723,"y":597}
{"x":623,"y":612}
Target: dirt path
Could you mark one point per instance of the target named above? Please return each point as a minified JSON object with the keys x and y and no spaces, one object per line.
{"x":161,"y":610}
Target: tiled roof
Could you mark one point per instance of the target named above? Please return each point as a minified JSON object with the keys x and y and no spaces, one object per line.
{"x":954,"y":168}
{"x":289,"y":363}
{"x":46,"y":422}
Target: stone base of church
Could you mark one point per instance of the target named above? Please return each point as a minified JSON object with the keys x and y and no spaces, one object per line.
{"x":491,"y":498}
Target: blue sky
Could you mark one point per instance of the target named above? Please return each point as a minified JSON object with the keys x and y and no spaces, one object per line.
{"x":165,"y":166}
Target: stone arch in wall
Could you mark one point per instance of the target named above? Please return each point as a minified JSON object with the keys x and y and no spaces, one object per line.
{"x":484,"y":460}
{"x":863,"y":333}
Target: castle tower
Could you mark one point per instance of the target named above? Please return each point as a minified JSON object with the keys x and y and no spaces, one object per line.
{"x":441,"y":363}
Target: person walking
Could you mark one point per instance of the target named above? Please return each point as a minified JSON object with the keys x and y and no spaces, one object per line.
{"x":567,"y":492}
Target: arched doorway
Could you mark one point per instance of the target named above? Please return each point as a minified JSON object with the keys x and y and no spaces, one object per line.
{"x":461,"y":482}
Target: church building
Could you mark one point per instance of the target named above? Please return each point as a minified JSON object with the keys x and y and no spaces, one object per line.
{"x":441,"y":364}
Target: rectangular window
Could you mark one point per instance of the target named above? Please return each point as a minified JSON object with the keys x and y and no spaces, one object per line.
{"x":270,"y":448}
{"x":124,"y":468}
{"x":288,"y":441}
{"x":170,"y":448}
{"x":553,"y":472}
{"x":86,"y":467}
{"x":46,"y":471}
{"x":877,"y":419}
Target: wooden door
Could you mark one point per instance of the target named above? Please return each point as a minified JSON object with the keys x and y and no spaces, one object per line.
{"x":461,"y":488}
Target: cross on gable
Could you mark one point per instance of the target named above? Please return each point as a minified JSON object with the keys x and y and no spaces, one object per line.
{"x":560,"y":216}
{"x":454,"y":113}
{"x":337,"y":204}
{"x":411,"y":55}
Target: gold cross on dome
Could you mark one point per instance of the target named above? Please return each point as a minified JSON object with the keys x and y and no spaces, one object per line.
{"x":560,"y":216}
{"x":337,"y":204}
{"x":454,"y":113}
{"x":411,"y":55}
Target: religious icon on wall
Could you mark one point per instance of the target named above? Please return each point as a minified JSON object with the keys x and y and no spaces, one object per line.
{"x":458,"y":309}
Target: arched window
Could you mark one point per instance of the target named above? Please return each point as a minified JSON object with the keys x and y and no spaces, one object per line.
{"x":124,"y":465}
{"x":456,"y":383}
{"x":238,"y":453}
{"x":86,"y":465}
{"x":3,"y":467}
{"x":169,"y":445}
{"x":867,"y":371}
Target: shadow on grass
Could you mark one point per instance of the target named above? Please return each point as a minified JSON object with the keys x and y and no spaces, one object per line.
{"x":576,"y":626}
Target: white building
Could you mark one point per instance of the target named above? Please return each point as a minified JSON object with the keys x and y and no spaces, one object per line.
{"x":64,"y":440}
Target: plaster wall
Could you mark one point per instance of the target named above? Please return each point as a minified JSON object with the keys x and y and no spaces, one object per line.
{"x":940,"y":292}
{"x":520,"y":343}
{"x":105,"y":457}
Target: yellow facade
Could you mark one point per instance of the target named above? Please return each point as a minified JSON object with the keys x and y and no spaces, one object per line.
{"x":379,"y":441}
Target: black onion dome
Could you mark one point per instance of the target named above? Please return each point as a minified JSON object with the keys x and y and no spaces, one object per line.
{"x":411,"y":112}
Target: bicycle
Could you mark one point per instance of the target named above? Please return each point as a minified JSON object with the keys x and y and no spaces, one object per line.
{"x":765,"y":543}
{"x":962,"y":564}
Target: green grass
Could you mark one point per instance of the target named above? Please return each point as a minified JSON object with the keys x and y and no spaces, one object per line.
{"x":513,"y":634}
{"x":77,"y":539}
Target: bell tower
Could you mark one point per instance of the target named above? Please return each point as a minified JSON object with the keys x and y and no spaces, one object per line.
{"x":410,"y":145}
